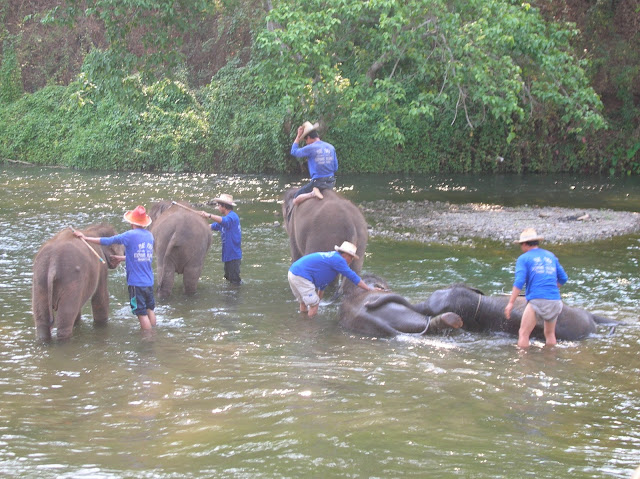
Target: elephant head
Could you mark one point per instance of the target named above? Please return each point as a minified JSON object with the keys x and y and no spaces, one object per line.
{"x":383,"y":313}
{"x":101,"y":230}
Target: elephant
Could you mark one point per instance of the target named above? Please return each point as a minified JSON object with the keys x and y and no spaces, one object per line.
{"x":486,"y":313}
{"x":181,"y":240}
{"x":319,"y":225}
{"x":65,"y":275}
{"x":382,"y":313}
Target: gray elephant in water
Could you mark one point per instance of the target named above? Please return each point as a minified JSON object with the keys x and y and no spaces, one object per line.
{"x":66,"y":273}
{"x":383,"y":313}
{"x":181,"y":240}
{"x":319,"y":225}
{"x":486,"y":313}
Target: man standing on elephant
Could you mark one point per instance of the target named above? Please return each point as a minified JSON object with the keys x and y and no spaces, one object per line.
{"x":138,"y":244}
{"x":543,"y":275}
{"x":316,"y":270}
{"x":322,"y":162}
{"x":231,"y":236}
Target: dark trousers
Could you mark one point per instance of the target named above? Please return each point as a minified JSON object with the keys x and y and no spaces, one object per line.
{"x":232,"y":271}
{"x":325,"y":183}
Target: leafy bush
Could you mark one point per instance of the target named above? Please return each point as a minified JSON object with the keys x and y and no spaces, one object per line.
{"x":10,"y":75}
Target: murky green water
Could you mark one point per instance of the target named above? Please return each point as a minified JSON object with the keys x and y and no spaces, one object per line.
{"x":234,"y":383}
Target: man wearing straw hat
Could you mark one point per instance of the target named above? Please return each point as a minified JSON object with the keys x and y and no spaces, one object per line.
{"x":230,"y":236}
{"x":321,"y":160}
{"x":138,"y":244}
{"x":543,"y":275}
{"x":316,"y":270}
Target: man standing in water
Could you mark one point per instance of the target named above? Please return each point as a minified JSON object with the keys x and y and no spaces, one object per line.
{"x":230,"y":234}
{"x":138,"y":244}
{"x":543,"y":275}
{"x":322,"y":162}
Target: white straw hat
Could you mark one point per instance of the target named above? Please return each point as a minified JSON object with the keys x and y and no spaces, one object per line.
{"x":308,"y":128}
{"x":348,"y":248}
{"x":226,"y":199}
{"x":529,"y":234}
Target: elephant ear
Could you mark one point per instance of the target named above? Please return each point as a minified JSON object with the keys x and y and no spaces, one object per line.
{"x":158,"y":208}
{"x":287,"y":206}
{"x":470,"y":288}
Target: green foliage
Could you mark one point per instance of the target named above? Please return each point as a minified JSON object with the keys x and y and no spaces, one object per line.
{"x":246,"y":133}
{"x":409,"y":86}
{"x":155,"y":27}
{"x":10,"y":73}
{"x":80,"y":126}
{"x":465,"y":62}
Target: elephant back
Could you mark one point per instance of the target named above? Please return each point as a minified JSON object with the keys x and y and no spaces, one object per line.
{"x":183,"y":234}
{"x":320,"y":225}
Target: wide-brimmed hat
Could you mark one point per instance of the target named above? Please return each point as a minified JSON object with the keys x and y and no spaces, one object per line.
{"x":226,"y":199}
{"x":348,"y":248}
{"x":308,"y":128}
{"x":529,"y":234}
{"x":138,"y":217}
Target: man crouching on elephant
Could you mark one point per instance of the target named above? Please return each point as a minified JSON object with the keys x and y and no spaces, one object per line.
{"x":138,"y":244}
{"x":316,"y":270}
{"x":321,"y":160}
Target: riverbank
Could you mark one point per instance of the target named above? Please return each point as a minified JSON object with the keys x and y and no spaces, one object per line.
{"x":446,"y":223}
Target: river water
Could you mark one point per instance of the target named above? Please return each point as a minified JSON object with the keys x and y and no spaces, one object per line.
{"x":234,"y":383}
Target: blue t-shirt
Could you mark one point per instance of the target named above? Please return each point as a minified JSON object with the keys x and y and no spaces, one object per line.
{"x":322,"y":268}
{"x":322,"y":159}
{"x":540,"y":270}
{"x":230,"y":236}
{"x":138,"y":251}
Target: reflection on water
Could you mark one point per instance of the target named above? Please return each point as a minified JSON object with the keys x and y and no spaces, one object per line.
{"x":235,"y":383}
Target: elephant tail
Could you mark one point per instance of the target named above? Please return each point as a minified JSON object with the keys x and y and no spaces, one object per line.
{"x":51,"y":282}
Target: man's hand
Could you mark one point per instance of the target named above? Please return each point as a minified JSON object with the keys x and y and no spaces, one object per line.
{"x":507,"y":310}
{"x":116,"y":259}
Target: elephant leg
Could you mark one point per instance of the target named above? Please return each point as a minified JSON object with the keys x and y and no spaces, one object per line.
{"x":368,"y":323}
{"x":42,"y":313}
{"x":389,"y":298}
{"x":100,"y":304}
{"x":190,"y":278}
{"x":43,"y":321}
{"x":424,"y":308}
{"x":444,"y":322}
{"x":66,"y":316}
{"x":43,"y":330}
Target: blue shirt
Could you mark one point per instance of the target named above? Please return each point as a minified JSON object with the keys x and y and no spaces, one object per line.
{"x":322,"y":159}
{"x":138,"y":251}
{"x":322,"y":268}
{"x":230,"y":236}
{"x":540,"y":270}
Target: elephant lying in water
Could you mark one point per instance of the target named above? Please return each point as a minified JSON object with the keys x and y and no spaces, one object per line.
{"x":319,"y":225}
{"x":65,"y":275}
{"x":486,"y":313}
{"x":182,"y":239}
{"x":385,"y":314}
